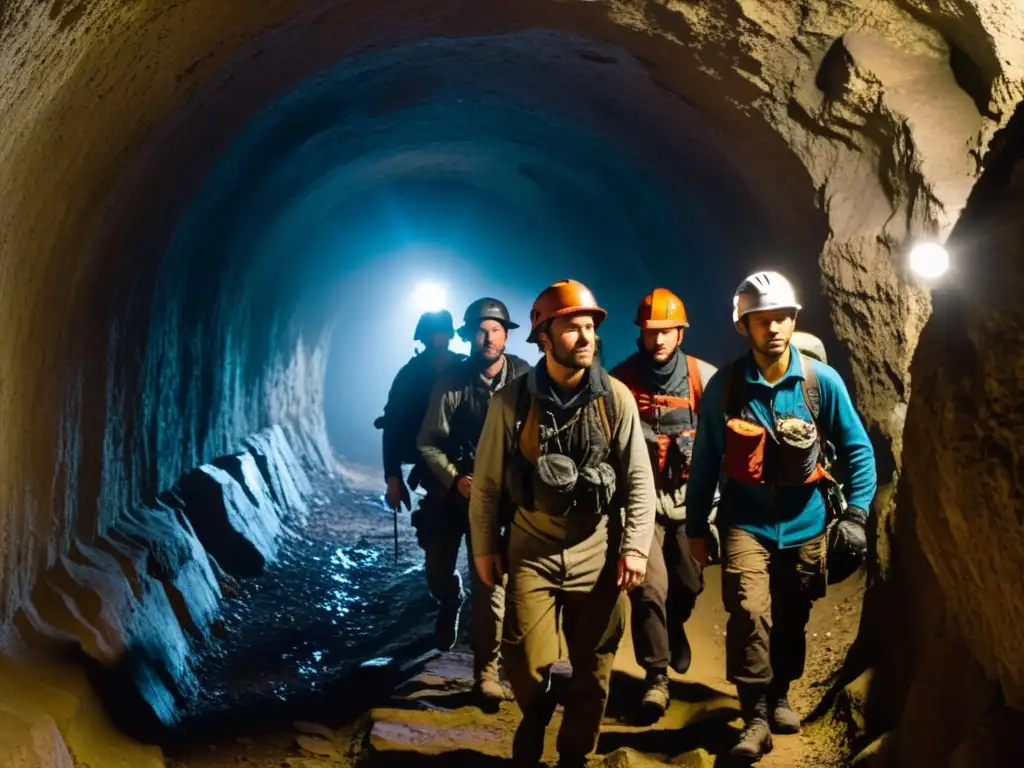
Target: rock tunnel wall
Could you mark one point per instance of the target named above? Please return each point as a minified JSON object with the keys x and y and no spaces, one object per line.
{"x":943,"y":625}
{"x":868,"y":117}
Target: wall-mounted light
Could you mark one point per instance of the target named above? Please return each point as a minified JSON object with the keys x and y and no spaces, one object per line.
{"x":929,"y":260}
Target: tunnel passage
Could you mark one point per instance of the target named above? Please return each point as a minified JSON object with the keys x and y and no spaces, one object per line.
{"x":183,"y":323}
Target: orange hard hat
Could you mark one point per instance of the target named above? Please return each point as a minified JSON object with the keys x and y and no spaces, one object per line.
{"x":566,"y":297}
{"x":661,"y":309}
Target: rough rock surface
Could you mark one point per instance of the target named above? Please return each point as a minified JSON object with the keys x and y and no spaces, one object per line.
{"x":139,"y":599}
{"x":945,"y":626}
{"x":286,"y":479}
{"x":53,"y":704}
{"x":27,"y":742}
{"x":239,"y":533}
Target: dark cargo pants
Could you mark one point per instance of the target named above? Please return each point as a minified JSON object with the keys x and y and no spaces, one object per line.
{"x":662,"y":604}
{"x":553,"y":586}
{"x":768,"y":594}
{"x":441,"y":538}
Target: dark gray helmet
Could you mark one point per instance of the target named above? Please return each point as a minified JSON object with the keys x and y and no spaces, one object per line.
{"x":432,"y":323}
{"x":485,"y":309}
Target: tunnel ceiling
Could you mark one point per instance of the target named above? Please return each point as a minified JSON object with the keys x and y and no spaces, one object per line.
{"x":160,"y":161}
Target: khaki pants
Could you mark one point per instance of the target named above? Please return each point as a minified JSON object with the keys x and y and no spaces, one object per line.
{"x":768,"y":594}
{"x":556,"y":586}
{"x":441,"y":546}
{"x":664,"y":601}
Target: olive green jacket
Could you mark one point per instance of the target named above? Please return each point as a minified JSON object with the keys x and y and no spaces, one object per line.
{"x":628,"y":456}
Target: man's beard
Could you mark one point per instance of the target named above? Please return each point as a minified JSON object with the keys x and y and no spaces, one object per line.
{"x":568,"y":359}
{"x":488,"y":357}
{"x":766,"y":351}
{"x":668,"y":357}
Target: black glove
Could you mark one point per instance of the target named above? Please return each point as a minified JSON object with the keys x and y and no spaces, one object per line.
{"x":851,"y":530}
{"x":847,"y":544}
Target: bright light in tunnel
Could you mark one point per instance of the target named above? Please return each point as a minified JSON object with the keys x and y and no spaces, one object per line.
{"x":929,"y":260}
{"x":428,"y":297}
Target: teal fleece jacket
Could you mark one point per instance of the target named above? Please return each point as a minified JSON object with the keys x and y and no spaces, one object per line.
{"x":782,"y":516}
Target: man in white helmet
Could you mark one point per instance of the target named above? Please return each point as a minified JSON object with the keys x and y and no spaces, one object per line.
{"x":764,"y":423}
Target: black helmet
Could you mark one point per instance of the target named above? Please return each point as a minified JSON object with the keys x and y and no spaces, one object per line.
{"x":432,"y":323}
{"x":485,"y":309}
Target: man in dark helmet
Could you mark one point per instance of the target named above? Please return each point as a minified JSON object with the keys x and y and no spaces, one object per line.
{"x":447,"y":442}
{"x":408,"y":400}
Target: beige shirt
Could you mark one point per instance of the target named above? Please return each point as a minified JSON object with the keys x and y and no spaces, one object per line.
{"x":628,"y":456}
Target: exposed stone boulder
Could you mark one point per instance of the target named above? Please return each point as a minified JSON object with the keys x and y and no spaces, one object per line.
{"x":159,"y":541}
{"x":139,"y":598}
{"x":288,"y":482}
{"x":243,"y":470}
{"x":241,"y":535}
{"x":121,"y":618}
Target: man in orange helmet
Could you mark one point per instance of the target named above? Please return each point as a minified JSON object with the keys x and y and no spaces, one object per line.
{"x":667,"y":385}
{"x":566,"y":444}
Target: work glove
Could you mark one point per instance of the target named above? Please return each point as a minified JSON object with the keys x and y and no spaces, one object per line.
{"x":847,"y":544}
{"x":850,"y":528}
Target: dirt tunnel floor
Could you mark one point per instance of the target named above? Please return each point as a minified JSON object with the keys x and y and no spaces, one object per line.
{"x":429,"y":718}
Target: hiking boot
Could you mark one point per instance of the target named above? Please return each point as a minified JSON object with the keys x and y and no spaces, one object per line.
{"x":656,"y":696}
{"x":528,"y":742}
{"x":781,"y":716}
{"x":490,"y":693}
{"x":446,"y":628}
{"x":681,"y":656}
{"x":756,"y":739}
{"x":572,"y":761}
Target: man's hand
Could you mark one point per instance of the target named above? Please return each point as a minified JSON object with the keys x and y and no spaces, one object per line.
{"x":699,"y":551}
{"x":464,"y":485}
{"x":397,"y":494}
{"x":632,"y":570}
{"x":490,"y":568}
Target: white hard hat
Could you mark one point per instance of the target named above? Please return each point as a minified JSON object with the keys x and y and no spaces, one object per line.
{"x":763,"y":291}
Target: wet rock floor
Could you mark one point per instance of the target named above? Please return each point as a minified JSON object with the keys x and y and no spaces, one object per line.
{"x":336,"y":610}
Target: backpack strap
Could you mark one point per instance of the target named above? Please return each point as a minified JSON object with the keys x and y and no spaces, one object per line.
{"x":734,"y":388}
{"x":696,"y":385}
{"x":606,"y":420}
{"x":608,"y":407}
{"x":810,"y":388}
{"x":527,"y":414}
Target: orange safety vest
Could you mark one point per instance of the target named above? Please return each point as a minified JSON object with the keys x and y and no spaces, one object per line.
{"x":658,"y":431}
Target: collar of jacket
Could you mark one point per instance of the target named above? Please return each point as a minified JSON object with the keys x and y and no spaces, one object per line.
{"x":595,"y":384}
{"x":794,"y":371}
